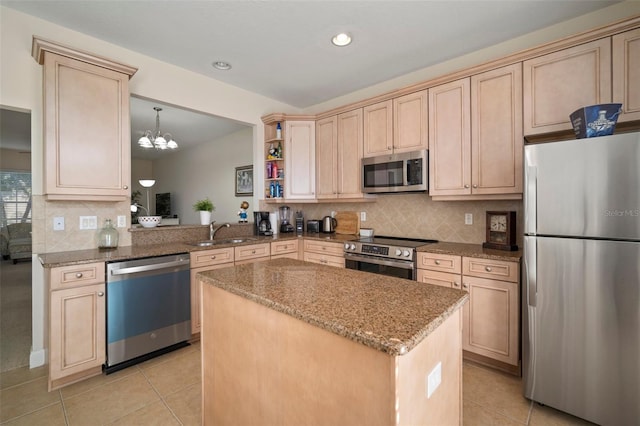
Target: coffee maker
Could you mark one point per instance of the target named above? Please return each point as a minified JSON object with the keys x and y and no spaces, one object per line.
{"x":261,"y":224}
{"x":285,"y":219}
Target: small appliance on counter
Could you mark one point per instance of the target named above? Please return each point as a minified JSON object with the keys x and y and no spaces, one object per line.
{"x":329,"y":224}
{"x":285,"y":219}
{"x":313,"y":226}
{"x":261,"y":223}
{"x":299,"y":223}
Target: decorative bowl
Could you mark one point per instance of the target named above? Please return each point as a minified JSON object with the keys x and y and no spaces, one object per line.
{"x":149,"y":221}
{"x":366,"y":232}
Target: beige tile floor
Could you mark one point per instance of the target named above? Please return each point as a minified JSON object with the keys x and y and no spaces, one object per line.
{"x":166,"y":391}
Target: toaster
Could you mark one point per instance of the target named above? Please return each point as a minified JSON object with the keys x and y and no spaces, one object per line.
{"x":313,"y":226}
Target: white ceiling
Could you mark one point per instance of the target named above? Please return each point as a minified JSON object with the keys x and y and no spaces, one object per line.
{"x":282,"y":49}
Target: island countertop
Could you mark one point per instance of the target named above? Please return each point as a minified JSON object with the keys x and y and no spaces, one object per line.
{"x":389,"y":314}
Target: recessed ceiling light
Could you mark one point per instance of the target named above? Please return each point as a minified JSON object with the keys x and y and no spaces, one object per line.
{"x":342,"y":39}
{"x":221,"y":65}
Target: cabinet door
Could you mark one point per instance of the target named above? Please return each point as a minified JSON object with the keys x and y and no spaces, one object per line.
{"x":491,"y":319}
{"x":378,"y":128}
{"x":326,"y":155}
{"x":557,"y":84}
{"x":496,"y":131}
{"x":626,"y":73}
{"x":410,"y":122}
{"x":350,"y":154}
{"x":300,"y":154}
{"x":87,"y":148}
{"x":450,"y":139}
{"x":77,"y":330}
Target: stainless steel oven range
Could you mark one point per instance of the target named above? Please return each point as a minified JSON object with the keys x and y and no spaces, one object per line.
{"x":391,"y":256}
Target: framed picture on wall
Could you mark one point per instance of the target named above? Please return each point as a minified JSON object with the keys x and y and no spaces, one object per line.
{"x":244,"y":181}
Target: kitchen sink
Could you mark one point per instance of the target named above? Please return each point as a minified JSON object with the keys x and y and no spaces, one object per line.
{"x":207,"y":243}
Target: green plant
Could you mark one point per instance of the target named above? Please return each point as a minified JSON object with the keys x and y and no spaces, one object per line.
{"x":204,"y":205}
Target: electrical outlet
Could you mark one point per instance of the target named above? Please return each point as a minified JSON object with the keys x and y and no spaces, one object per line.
{"x":363,"y":216}
{"x":58,"y":223}
{"x":122,"y":221}
{"x":433,"y":379}
{"x":88,"y":222}
{"x":468,"y":218}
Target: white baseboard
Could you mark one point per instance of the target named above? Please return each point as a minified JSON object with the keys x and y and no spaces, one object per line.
{"x":37,"y":358}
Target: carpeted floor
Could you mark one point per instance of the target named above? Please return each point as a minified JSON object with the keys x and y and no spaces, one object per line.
{"x":15,"y":314}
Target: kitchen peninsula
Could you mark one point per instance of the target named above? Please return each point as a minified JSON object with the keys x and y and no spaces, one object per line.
{"x":290,"y":342}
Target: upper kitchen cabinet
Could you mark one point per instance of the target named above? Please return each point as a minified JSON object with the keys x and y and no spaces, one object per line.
{"x":87,"y":152}
{"x":338,"y":154}
{"x":475,"y":136}
{"x":557,"y":84}
{"x":626,"y":73}
{"x":300,"y":148}
{"x":397,"y":125}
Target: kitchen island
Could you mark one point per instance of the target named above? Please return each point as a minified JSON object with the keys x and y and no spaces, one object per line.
{"x":290,"y":342}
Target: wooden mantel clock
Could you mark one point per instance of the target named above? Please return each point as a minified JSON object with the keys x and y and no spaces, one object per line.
{"x":501,"y":231}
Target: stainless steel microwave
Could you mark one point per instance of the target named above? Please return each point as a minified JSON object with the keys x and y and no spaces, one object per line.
{"x":405,"y":172}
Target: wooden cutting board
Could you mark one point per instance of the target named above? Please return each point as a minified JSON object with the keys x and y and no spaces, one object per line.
{"x":348,"y":223}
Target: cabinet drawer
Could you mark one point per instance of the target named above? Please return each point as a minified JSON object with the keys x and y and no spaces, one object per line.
{"x":324,"y":259}
{"x":211,"y":257}
{"x":324,"y":247}
{"x":251,"y":251}
{"x":75,"y":275}
{"x":488,"y":268}
{"x":282,"y":247}
{"x":285,"y":256}
{"x":440,"y":262}
{"x":443,"y":279}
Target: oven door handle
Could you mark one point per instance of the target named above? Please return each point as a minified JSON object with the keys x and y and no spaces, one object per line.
{"x":403,"y":264}
{"x":145,"y":268}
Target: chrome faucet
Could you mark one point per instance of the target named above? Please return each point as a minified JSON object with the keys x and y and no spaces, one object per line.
{"x":212,"y":230}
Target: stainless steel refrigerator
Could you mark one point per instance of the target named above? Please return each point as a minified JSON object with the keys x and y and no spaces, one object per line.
{"x":581,"y":292}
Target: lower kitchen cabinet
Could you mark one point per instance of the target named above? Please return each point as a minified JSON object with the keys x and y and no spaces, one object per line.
{"x":491,"y":317}
{"x":324,"y":252}
{"x":77,"y":323}
{"x":285,"y":249}
{"x":252,"y":253}
{"x":205,"y":260}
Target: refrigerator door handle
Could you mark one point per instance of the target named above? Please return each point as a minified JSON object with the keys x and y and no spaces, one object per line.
{"x":531,"y":282}
{"x":530,"y":200}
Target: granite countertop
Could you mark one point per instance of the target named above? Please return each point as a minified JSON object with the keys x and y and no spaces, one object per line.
{"x":471,"y":250}
{"x":389,"y":314}
{"x":77,"y":257}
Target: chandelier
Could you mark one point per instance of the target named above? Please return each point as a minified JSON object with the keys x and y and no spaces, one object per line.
{"x":157,"y":139}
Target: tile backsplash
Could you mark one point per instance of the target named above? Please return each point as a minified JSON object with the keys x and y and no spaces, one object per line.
{"x":418,"y":216}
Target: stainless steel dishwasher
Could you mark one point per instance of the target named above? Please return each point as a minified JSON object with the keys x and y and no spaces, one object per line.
{"x":148,"y":309}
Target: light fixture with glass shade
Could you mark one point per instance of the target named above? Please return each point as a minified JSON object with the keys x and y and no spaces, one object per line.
{"x":146,"y":221}
{"x":156,"y":139}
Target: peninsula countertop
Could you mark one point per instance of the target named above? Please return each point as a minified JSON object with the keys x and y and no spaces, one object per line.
{"x":389,"y":314}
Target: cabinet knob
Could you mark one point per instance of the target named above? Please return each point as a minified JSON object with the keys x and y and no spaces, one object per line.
{"x":100,"y":293}
{"x":213,"y":257}
{"x":253,"y":252}
{"x":487,"y":268}
{"x":78,"y":274}
{"x":324,"y":261}
{"x":466,"y":186}
{"x":465,"y":286}
{"x":437,"y":262}
{"x":475,"y":186}
{"x":126,"y":187}
{"x":456,"y":284}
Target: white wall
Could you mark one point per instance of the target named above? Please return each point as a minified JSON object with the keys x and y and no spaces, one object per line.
{"x":205,"y":170}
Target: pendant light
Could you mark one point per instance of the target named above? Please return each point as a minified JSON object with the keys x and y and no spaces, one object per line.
{"x":157,"y":139}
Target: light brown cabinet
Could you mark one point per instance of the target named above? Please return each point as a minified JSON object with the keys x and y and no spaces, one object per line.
{"x":557,"y":84}
{"x":324,"y":252}
{"x":338,"y":154}
{"x":285,"y":249}
{"x":252,"y":253}
{"x":491,"y":317}
{"x":87,"y":153}
{"x":397,"y":125}
{"x":205,"y":260}
{"x":300,"y":149}
{"x":626,"y":73}
{"x":77,"y":323}
{"x":475,"y":135}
